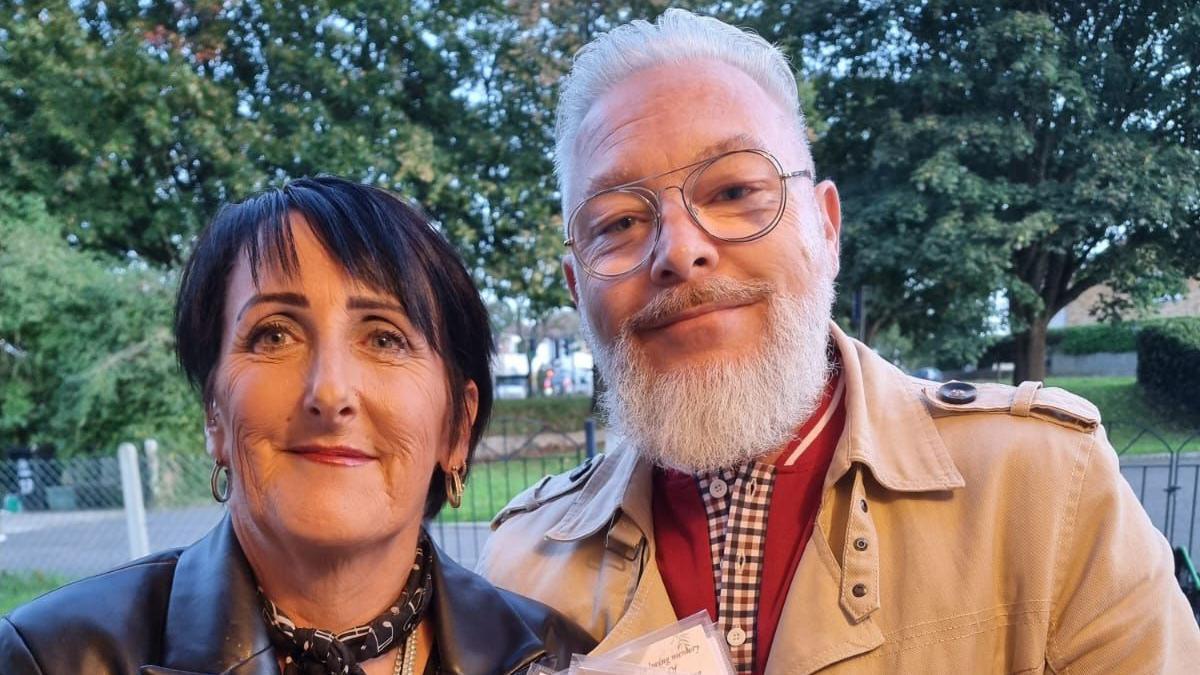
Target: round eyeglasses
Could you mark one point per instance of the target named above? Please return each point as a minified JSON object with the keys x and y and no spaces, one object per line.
{"x":736,"y":196}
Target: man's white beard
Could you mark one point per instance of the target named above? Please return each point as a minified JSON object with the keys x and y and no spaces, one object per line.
{"x":723,"y":413}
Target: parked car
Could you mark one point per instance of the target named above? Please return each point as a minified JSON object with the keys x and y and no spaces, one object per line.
{"x":512,"y":386}
{"x":929,"y":373}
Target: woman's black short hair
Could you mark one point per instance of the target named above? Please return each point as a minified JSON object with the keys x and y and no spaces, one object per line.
{"x":379,"y":240}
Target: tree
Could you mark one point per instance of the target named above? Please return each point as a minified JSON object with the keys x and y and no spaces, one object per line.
{"x":1031,"y":149}
{"x":86,"y":340}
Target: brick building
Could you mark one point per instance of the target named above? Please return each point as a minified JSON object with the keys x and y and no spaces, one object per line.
{"x":1079,"y":312}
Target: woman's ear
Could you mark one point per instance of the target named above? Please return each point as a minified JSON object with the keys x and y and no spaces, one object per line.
{"x":214,"y":434}
{"x":458,"y":454}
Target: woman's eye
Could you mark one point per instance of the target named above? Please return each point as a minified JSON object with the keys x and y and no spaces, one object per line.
{"x":270,"y":339}
{"x":388,"y":341}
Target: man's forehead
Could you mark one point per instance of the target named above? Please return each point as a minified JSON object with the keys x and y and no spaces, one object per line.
{"x":667,"y":117}
{"x":625,"y":172}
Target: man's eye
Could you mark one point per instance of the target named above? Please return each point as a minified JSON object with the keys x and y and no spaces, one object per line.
{"x":732,"y":193}
{"x":617,"y":226}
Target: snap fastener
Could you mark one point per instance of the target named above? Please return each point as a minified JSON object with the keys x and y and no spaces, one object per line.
{"x":718,"y":488}
{"x":957,"y":393}
{"x":859,"y":590}
{"x":860,"y":544}
{"x":736,"y":637}
{"x":863,"y":504}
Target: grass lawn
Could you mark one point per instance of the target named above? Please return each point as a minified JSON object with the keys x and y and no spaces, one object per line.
{"x":492,"y":483}
{"x":19,"y":588}
{"x":1135,"y":423}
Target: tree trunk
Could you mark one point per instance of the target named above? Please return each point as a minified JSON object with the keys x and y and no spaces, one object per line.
{"x":1029,"y":352}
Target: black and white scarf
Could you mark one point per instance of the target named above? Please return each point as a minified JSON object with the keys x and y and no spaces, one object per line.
{"x":312,"y":651}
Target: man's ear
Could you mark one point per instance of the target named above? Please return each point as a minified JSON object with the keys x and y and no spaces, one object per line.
{"x":568,"y":266}
{"x":829,"y":204}
{"x":457,"y":455}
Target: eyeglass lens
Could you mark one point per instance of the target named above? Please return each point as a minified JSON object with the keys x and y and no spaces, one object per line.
{"x":737,"y":196}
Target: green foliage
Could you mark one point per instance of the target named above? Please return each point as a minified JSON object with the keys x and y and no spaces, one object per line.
{"x":1169,"y":362}
{"x":1020,"y":150}
{"x":1100,"y":338}
{"x":526,"y":415}
{"x":89,"y":361}
{"x":17,"y":589}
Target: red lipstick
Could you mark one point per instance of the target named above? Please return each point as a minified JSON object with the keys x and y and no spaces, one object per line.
{"x":338,"y":455}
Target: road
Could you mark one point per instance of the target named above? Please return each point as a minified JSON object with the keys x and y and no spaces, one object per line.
{"x":77,"y":543}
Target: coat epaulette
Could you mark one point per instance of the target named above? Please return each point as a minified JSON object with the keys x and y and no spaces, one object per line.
{"x":548,"y":489}
{"x":1030,"y":399}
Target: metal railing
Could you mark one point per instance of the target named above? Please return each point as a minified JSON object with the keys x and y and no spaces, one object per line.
{"x":1165,"y":475}
{"x":71,"y":517}
{"x":74,"y":517}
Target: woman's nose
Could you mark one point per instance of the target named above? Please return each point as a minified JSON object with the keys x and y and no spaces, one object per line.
{"x":684,"y":251}
{"x":331,"y":395}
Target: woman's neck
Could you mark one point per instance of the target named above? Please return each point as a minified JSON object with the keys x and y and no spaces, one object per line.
{"x":333,"y":589}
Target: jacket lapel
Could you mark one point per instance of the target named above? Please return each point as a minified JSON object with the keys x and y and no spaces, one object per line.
{"x":476,"y":630}
{"x":213,"y":622}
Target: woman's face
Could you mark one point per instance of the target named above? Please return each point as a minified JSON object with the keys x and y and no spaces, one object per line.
{"x":331,"y":409}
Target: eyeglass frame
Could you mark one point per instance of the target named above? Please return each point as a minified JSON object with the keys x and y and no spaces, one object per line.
{"x":655,"y":204}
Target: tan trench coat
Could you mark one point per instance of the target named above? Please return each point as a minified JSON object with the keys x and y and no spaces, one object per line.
{"x":1000,"y":538}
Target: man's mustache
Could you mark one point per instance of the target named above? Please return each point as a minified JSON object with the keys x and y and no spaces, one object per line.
{"x":714,"y":290}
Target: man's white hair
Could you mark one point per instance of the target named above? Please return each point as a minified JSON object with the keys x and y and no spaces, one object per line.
{"x":678,"y":37}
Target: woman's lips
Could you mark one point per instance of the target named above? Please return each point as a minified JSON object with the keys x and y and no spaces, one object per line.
{"x":338,"y":455}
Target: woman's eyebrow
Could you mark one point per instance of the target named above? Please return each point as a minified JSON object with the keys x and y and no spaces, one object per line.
{"x":294,"y":299}
{"x":360,"y":302}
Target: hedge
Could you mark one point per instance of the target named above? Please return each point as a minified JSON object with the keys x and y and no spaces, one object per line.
{"x":1169,"y":361}
{"x":1079,"y":340}
{"x":1104,"y":337}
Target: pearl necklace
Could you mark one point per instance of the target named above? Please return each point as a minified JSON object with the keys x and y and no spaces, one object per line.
{"x":406,"y":659}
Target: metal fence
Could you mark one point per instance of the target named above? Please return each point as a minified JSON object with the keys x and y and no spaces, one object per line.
{"x":67,"y":517}
{"x":1165,"y":476}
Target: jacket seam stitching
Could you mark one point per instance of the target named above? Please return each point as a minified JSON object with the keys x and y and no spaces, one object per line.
{"x":1078,"y":474}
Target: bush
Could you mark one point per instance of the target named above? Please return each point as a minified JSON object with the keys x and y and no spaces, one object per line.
{"x":1079,"y":340}
{"x":1104,"y":337}
{"x":1169,"y":361}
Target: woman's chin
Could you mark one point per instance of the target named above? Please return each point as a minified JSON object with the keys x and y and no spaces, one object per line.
{"x":332,"y":521}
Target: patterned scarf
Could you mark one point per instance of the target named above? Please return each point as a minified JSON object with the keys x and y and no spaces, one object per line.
{"x":312,"y":651}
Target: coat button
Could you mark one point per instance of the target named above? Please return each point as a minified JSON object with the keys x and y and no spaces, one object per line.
{"x":860,"y":544}
{"x":859,"y":590}
{"x":718,"y":488}
{"x":736,"y":637}
{"x":957,"y":393}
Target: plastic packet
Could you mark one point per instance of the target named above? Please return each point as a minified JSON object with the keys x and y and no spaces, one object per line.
{"x":693,"y":646}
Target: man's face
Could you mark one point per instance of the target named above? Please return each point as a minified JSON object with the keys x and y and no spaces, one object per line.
{"x":670,"y":116}
{"x":713,"y":352}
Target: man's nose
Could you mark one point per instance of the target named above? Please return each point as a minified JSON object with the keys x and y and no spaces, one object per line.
{"x":684,"y":251}
{"x":331,"y":396}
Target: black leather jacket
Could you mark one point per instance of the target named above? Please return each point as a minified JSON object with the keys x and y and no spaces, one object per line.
{"x":195,"y":610}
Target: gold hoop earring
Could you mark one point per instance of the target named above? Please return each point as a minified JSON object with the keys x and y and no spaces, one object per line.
{"x":214,"y":482}
{"x":454,"y":486}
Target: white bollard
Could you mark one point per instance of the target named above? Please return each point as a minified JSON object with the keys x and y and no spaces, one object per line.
{"x":135,"y":510}
{"x":150,"y":447}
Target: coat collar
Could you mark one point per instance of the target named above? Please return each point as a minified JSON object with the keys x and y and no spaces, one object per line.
{"x":888,"y":430}
{"x":214,"y":624}
{"x":213,"y":621}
